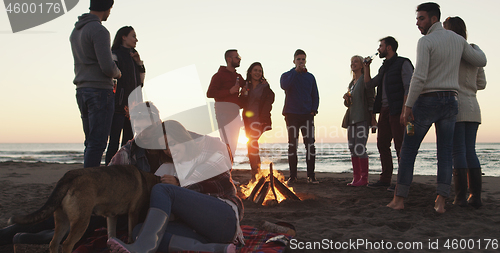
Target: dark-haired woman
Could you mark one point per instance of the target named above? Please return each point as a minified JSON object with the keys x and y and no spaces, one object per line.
{"x":133,"y":73}
{"x":467,"y":168}
{"x":257,"y":100}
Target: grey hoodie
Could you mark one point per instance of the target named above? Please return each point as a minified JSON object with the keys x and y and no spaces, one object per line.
{"x":90,"y":43}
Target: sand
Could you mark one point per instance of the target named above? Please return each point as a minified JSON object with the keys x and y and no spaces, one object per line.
{"x":330,"y":216}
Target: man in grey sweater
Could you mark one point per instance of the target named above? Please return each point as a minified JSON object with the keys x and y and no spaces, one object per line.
{"x":94,"y":71}
{"x":432,"y":100}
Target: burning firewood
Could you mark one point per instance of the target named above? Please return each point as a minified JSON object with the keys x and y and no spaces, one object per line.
{"x":260,"y":192}
{"x":257,"y":188}
{"x":261,"y":196}
{"x":285,"y":191}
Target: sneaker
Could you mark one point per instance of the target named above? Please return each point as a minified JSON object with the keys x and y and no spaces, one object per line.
{"x":378,"y":184}
{"x":392,"y":188}
{"x":291,"y":180}
{"x":312,"y":180}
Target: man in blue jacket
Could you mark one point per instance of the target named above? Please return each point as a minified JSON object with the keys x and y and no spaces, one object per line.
{"x":301,"y":105}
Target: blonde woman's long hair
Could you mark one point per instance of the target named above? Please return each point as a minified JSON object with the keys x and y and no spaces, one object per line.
{"x":361,"y":61}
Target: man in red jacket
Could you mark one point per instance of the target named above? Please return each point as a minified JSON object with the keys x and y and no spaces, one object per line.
{"x":224,"y":89}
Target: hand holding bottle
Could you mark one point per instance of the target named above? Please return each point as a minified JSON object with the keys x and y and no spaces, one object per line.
{"x":236,"y":87}
{"x":410,"y":128}
{"x":348,"y":98}
{"x":369,"y":59}
{"x":406,"y":115}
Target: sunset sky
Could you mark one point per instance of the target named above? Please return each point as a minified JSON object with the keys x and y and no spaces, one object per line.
{"x":37,"y":97}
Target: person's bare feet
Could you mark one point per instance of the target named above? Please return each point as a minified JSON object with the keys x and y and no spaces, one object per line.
{"x":440,"y":203}
{"x":397,"y":203}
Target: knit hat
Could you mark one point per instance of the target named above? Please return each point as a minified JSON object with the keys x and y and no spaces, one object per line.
{"x":101,"y":5}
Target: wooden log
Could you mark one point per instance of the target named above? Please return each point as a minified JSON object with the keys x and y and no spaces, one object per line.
{"x":284,"y":190}
{"x":271,"y":179}
{"x":275,"y":228}
{"x":259,"y":199}
{"x":256,"y":188}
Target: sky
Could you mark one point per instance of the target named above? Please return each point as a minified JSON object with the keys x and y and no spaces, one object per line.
{"x":38,"y":103}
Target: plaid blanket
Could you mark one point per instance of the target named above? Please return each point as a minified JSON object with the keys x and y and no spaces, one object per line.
{"x":255,"y":241}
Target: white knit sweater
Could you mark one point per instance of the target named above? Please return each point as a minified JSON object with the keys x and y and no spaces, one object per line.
{"x":438,"y":60}
{"x":471,"y":79}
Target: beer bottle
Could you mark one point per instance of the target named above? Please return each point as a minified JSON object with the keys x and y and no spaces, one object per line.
{"x":410,"y":128}
{"x":349,"y":99}
{"x":246,"y":89}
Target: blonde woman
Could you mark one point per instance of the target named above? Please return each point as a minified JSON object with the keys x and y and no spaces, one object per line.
{"x":358,"y":117}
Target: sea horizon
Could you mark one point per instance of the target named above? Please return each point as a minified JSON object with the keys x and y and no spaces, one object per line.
{"x":330,"y":157}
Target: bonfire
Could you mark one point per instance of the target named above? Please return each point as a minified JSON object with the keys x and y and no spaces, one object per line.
{"x":268,"y":187}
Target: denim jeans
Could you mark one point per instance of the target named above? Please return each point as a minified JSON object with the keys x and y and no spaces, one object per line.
{"x":464,"y":146}
{"x":304,"y":123}
{"x":120,"y":122}
{"x":96,"y":108}
{"x":442,"y":111}
{"x":198,"y":216}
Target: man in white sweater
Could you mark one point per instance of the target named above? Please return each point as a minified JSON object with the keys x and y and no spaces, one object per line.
{"x":432,"y":99}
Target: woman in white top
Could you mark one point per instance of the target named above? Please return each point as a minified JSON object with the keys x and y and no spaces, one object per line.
{"x":465,"y":161}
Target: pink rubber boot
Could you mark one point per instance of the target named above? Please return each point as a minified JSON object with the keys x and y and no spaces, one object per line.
{"x":355,"y":170}
{"x":363,"y":172}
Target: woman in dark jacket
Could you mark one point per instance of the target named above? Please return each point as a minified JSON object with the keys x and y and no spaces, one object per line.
{"x":257,"y":100}
{"x":133,"y":73}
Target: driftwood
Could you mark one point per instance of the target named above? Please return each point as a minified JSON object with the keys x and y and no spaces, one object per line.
{"x":259,"y":199}
{"x":284,"y":190}
{"x":271,"y":179}
{"x":256,"y":189}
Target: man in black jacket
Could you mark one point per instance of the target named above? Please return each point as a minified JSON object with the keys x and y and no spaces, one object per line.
{"x":392,"y":82}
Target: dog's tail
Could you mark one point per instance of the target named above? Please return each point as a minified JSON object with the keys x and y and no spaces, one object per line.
{"x":54,"y":201}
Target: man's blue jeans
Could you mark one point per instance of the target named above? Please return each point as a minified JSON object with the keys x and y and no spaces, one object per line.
{"x":464,"y":146}
{"x":198,"y":216}
{"x":96,"y":108}
{"x":441,"y":110}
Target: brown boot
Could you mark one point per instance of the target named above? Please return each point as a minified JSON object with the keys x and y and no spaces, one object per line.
{"x":475,"y":187}
{"x":460,"y":180}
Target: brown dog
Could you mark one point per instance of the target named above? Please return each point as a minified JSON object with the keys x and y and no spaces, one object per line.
{"x":106,"y":191}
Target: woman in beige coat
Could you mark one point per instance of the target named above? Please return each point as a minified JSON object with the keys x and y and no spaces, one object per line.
{"x":465,"y":162}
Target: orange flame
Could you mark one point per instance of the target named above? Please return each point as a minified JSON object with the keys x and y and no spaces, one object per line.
{"x":248,"y":188}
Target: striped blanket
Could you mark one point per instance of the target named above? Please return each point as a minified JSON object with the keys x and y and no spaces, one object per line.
{"x":255,"y":241}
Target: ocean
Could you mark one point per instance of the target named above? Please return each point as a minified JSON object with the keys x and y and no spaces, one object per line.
{"x":331,"y":157}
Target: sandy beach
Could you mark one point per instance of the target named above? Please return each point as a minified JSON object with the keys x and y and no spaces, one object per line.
{"x":331,"y":215}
